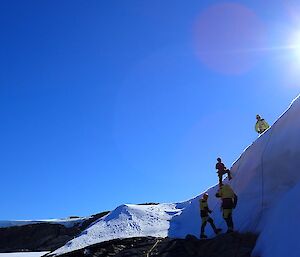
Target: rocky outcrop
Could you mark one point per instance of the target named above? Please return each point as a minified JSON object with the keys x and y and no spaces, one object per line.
{"x":225,"y":245}
{"x":41,"y":236}
{"x":35,"y":237}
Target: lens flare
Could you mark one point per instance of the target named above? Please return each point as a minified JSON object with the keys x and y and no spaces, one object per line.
{"x":224,"y":34}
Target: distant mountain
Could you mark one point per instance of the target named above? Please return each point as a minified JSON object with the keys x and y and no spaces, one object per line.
{"x":45,"y":235}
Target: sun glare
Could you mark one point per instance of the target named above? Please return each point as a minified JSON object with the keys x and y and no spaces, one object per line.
{"x":295,"y":44}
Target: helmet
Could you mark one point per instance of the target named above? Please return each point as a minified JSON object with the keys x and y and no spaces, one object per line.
{"x":219,"y":159}
{"x":205,"y":196}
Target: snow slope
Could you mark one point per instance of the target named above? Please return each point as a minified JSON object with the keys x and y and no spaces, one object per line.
{"x":267,"y":181}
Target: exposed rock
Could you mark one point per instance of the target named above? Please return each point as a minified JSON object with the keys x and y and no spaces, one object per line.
{"x":92,"y":219}
{"x":41,"y":236}
{"x":225,"y":245}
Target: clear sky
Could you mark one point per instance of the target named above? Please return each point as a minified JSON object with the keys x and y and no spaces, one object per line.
{"x":111,"y":102}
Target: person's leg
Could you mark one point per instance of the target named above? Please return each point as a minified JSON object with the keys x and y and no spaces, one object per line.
{"x":204,"y":222}
{"x":227,"y":215}
{"x":211,"y":222}
{"x":220,"y":175}
{"x":229,"y":174}
{"x":230,"y":222}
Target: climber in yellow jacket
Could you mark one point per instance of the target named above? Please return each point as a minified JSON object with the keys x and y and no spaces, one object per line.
{"x":261,"y":125}
{"x":204,"y":213}
{"x":229,"y":202}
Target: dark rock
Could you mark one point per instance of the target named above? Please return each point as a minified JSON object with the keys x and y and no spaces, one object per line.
{"x":225,"y":245}
{"x":191,"y":237}
{"x":42,"y":236}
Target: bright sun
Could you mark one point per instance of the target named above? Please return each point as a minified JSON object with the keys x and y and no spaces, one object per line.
{"x":295,"y":43}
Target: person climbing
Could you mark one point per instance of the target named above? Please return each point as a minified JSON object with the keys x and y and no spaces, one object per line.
{"x":204,"y":213}
{"x":222,"y":170}
{"x":261,"y":125}
{"x":229,"y":202}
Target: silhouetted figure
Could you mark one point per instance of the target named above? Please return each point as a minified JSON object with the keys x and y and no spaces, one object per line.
{"x":222,"y":170}
{"x":261,"y":125}
{"x":204,"y":213}
{"x":229,"y":202}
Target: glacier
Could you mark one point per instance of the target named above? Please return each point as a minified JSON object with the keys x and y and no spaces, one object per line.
{"x":266,"y":178}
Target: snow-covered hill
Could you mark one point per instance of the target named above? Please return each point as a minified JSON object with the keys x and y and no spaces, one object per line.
{"x":67,"y":222}
{"x":28,"y":254}
{"x":267,"y":181}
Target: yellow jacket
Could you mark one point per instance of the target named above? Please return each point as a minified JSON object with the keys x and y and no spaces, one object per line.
{"x":229,"y":198}
{"x":225,"y":191}
{"x":261,"y":125}
{"x":204,"y":210}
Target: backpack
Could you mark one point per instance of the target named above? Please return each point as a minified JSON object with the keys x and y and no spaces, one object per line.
{"x":229,"y":203}
{"x":235,"y":201}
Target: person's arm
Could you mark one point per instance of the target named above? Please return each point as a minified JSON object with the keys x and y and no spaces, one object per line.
{"x":266,"y":124}
{"x":218,"y":194}
{"x":223,"y":167}
{"x":204,"y":207}
{"x":257,"y":127}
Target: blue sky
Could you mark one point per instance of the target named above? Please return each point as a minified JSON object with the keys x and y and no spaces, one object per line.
{"x":111,"y":102}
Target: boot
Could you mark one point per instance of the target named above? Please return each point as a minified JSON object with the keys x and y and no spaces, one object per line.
{"x":218,"y":231}
{"x":203,"y":236}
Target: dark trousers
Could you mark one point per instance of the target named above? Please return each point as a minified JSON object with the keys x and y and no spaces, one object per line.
{"x":204,"y":222}
{"x":221,"y":173}
{"x":227,"y":214}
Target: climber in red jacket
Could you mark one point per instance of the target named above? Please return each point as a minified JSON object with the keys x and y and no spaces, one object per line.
{"x":222,"y":170}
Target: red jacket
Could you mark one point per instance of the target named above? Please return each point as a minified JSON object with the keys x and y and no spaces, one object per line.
{"x":220,"y":167}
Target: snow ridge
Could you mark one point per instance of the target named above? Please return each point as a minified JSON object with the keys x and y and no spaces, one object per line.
{"x":126,"y":221}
